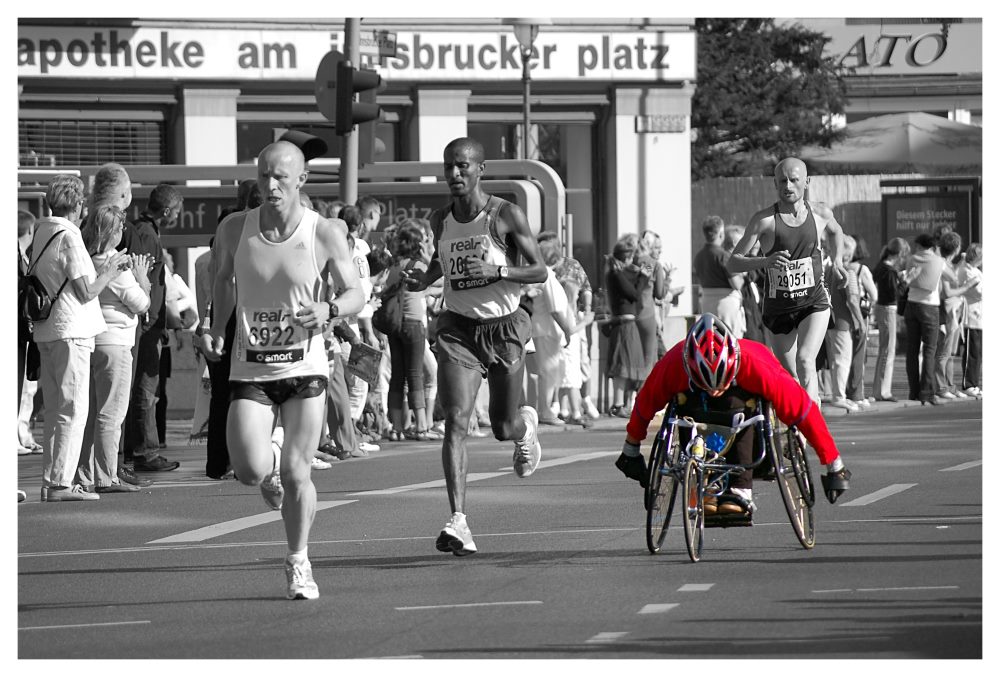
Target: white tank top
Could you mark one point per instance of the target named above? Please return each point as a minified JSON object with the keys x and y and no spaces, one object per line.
{"x":459,"y":242}
{"x":273,"y":280}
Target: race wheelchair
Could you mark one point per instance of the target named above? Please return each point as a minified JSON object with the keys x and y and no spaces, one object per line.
{"x":697,"y":468}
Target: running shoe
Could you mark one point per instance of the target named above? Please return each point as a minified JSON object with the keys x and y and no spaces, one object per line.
{"x":300,"y":581}
{"x":528,"y":453}
{"x":272,"y":491}
{"x":456,"y":537}
{"x":71,"y":493}
{"x":320,"y":464}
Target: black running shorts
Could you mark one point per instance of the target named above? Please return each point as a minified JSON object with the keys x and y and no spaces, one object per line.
{"x":278,"y":392}
{"x":485,"y":345}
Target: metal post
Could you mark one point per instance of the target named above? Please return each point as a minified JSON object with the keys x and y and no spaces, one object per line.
{"x":349,"y":142}
{"x":526,"y":78}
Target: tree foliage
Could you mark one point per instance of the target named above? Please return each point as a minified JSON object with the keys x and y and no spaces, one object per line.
{"x":764,"y":91}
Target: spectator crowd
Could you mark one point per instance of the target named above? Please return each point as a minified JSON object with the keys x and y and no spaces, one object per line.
{"x":102,"y":357}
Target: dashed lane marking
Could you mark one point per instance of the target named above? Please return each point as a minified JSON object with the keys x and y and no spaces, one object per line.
{"x":434,"y":484}
{"x":888,"y":491}
{"x":400,"y":539}
{"x":897,"y":589}
{"x":606,"y":637}
{"x":223,"y":528}
{"x":83,"y":625}
{"x":477,"y":476}
{"x":657,"y":608}
{"x":464,"y":606}
{"x":962,"y":466}
{"x":695,"y":587}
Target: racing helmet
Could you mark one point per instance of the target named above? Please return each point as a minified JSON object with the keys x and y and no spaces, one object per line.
{"x":711,"y":355}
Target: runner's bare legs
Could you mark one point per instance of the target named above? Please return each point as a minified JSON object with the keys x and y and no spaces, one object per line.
{"x":797,"y":350}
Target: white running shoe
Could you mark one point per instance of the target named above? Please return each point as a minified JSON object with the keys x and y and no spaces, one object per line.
{"x":528,"y":454}
{"x":272,"y":491}
{"x":456,"y":537}
{"x":844,"y":403}
{"x":590,"y":409}
{"x":368,"y":447}
{"x":320,"y":464}
{"x":300,"y":581}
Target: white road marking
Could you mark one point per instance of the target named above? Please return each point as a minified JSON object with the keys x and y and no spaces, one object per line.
{"x":914,"y":587}
{"x":84,"y":625}
{"x":962,"y":466}
{"x":695,"y":587}
{"x":398,"y":539}
{"x":888,"y":491}
{"x":434,"y":484}
{"x":477,"y":476}
{"x":393,"y":658}
{"x":606,"y":637}
{"x":223,"y":528}
{"x":463,"y":606}
{"x":657,"y":608}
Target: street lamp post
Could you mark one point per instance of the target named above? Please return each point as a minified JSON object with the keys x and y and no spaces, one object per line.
{"x":526,"y":30}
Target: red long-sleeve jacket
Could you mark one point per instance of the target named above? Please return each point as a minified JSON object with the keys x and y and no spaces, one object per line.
{"x":759,"y":373}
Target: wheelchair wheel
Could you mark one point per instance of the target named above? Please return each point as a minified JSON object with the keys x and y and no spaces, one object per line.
{"x":662,"y":489}
{"x":791,"y":471}
{"x":693,"y":509}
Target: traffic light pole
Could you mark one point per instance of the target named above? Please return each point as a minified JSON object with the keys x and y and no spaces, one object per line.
{"x":349,"y":142}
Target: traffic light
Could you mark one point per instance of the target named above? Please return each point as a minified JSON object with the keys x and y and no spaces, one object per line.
{"x":349,"y":111}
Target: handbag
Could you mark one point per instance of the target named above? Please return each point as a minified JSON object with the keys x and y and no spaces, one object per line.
{"x":388,"y":318}
{"x":364,"y":362}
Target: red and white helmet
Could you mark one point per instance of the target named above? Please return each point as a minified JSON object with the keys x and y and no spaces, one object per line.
{"x":711,"y":355}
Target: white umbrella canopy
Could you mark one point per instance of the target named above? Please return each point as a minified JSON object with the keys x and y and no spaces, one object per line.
{"x":902,"y":143}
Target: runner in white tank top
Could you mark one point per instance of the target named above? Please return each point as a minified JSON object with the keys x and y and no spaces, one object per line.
{"x":274,"y":280}
{"x":276,"y":265}
{"x":486,"y":250}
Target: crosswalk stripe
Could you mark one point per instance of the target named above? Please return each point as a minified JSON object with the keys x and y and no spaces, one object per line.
{"x":888,"y":491}
{"x":695,"y":587}
{"x":223,"y":528}
{"x":962,"y":466}
{"x":657,"y":608}
{"x":606,"y":637}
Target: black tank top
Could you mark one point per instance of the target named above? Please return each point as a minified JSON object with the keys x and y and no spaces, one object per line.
{"x":800,"y":286}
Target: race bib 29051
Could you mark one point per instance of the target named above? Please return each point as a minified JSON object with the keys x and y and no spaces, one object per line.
{"x":796,"y":276}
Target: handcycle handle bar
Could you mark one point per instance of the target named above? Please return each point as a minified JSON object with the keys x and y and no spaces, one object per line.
{"x":688,"y":422}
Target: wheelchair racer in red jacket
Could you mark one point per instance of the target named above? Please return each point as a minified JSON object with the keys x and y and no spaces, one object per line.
{"x":711,"y":371}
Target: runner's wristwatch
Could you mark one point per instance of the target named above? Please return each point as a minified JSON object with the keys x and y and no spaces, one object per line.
{"x":504,"y":272}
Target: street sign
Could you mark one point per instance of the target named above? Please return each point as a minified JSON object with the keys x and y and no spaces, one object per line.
{"x":326,"y":84}
{"x":377,"y":43}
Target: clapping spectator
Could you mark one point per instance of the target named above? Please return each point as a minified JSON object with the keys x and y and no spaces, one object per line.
{"x":626,"y":360}
{"x":846,"y":322}
{"x":970,"y":276}
{"x":407,"y":347}
{"x":66,"y":339}
{"x":952,"y":307}
{"x":111,"y":363}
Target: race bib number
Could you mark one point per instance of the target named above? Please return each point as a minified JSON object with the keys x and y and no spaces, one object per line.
{"x":271,"y":337}
{"x":796,"y":276}
{"x":455,"y":256}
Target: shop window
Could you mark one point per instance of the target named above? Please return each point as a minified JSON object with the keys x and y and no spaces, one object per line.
{"x":89,"y":142}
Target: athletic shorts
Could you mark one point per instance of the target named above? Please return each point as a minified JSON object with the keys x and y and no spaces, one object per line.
{"x":278,"y":392}
{"x":786,"y":322}
{"x":485,"y":345}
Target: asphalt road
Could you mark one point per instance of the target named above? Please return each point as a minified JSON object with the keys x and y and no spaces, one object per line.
{"x":192,"y":568}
